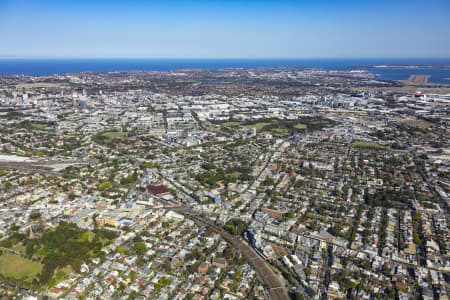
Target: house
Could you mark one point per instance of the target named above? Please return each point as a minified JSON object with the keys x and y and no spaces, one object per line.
{"x":220,"y":262}
{"x":158,"y":190}
{"x":203,"y":268}
{"x":276,"y":214}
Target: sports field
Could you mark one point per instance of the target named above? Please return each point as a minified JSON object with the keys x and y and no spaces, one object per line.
{"x":15,"y":266}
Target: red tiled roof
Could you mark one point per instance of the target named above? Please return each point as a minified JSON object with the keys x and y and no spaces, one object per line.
{"x":158,"y":189}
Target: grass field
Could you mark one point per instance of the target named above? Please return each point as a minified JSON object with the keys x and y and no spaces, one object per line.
{"x":284,"y":128}
{"x":31,"y":126}
{"x":368,"y":145}
{"x":261,"y":127}
{"x":106,"y":138}
{"x":39,"y":85}
{"x":258,"y":125}
{"x":300,"y":126}
{"x":114,"y":135}
{"x":15,"y":266}
{"x":231,"y":124}
{"x":281,"y":132}
{"x":18,"y":248}
{"x":60,"y":275}
{"x":233,"y":175}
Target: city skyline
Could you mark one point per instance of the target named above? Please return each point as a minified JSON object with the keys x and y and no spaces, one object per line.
{"x":224,"y":149}
{"x":224,"y":29}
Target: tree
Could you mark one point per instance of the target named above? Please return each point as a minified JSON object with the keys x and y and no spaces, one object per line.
{"x":268,"y":181}
{"x":236,"y":226}
{"x":104,"y":185}
{"x":288,"y":215}
{"x":29,"y":250}
{"x":7,"y":185}
{"x":139,"y":247}
{"x":416,"y":239}
{"x":133,"y":275}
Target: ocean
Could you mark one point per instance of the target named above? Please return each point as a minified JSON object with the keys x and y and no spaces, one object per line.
{"x":43,"y":67}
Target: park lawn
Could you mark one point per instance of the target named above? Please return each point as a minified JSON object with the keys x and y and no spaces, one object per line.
{"x":281,"y":132}
{"x":32,"y":126}
{"x":300,"y":126}
{"x":60,"y":275}
{"x":12,"y":265}
{"x":87,"y":236}
{"x":109,"y":136}
{"x":418,"y":133}
{"x":258,"y":125}
{"x":282,"y":128}
{"x":233,"y":175}
{"x":38,"y":126}
{"x":231,"y":124}
{"x":115,"y":134}
{"x":18,"y":248}
{"x":369,"y":145}
{"x":40,"y":85}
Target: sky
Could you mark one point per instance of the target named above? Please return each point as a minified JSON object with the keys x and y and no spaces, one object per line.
{"x":225,"y":29}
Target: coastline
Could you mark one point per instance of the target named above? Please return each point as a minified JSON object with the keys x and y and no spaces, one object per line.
{"x":385,"y":69}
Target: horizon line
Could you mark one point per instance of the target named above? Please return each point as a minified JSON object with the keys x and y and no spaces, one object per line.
{"x":209,"y":58}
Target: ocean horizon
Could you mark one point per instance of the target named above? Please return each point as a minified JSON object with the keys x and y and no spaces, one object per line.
{"x":60,"y":66}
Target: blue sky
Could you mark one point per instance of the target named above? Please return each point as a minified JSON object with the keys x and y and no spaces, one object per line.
{"x":225,"y":29}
